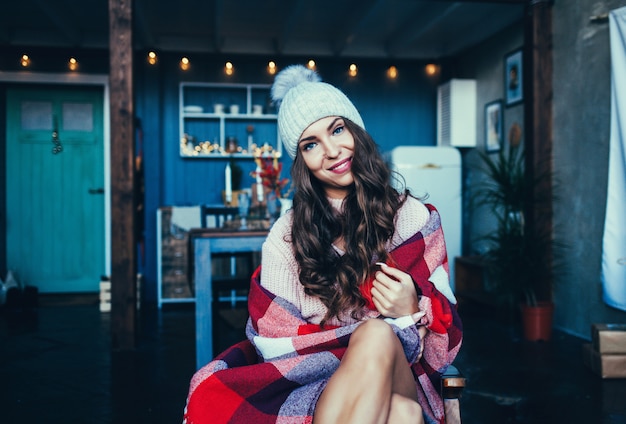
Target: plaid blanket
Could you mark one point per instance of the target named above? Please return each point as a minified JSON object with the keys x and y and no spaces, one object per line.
{"x":278,"y":374}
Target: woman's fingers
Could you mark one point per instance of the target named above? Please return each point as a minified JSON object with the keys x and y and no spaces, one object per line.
{"x":393,"y":292}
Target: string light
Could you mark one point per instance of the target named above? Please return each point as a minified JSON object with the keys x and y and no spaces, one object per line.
{"x":271,"y":67}
{"x":352,"y":70}
{"x":152,"y":58}
{"x":229,"y":69}
{"x":72,"y":64}
{"x":184,"y":63}
{"x":431,"y":69}
{"x":25,"y":61}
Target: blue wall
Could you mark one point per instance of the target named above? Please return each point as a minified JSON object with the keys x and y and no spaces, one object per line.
{"x":398,"y":112}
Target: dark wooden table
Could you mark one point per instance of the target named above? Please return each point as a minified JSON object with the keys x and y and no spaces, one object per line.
{"x":205,"y":243}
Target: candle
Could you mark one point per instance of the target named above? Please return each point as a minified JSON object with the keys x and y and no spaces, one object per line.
{"x":229,"y":190}
{"x":259,"y":184}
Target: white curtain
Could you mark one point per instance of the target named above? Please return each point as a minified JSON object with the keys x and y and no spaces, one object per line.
{"x":614,"y":241}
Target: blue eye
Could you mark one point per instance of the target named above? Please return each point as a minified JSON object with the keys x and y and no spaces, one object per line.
{"x":338,"y":130}
{"x":308,"y":146}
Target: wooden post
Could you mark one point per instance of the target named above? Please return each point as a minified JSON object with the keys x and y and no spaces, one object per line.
{"x":123,"y":246}
{"x":538,"y":117}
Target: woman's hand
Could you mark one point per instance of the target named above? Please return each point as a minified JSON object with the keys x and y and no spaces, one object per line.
{"x":393,"y":292}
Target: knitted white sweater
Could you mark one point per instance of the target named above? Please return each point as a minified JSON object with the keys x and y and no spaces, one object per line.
{"x":279,"y":273}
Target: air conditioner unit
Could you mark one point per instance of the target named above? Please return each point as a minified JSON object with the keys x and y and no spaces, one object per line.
{"x":456,"y":113}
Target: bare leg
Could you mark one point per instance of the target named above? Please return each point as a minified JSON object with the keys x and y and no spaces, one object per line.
{"x":373,"y":383}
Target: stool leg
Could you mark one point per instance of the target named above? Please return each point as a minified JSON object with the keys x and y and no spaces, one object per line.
{"x":453,"y":411}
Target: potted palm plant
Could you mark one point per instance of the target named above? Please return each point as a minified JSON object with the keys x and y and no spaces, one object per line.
{"x":519,"y":256}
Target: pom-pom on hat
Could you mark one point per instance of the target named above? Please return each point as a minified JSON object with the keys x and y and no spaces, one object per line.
{"x":302,"y":98}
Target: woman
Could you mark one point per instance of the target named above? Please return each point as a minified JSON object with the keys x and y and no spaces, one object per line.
{"x":349,"y":319}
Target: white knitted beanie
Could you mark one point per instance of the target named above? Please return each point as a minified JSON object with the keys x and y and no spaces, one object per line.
{"x":303,"y":99}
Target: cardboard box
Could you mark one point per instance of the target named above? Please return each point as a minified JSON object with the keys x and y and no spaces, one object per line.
{"x":606,"y":366}
{"x":609,"y":338}
{"x":105,"y":293}
{"x":105,"y":296}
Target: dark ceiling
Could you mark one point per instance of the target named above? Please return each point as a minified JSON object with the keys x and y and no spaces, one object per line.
{"x":404,"y":29}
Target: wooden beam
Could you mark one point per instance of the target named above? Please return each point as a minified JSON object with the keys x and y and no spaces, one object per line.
{"x":538,"y":116}
{"x":123,"y":246}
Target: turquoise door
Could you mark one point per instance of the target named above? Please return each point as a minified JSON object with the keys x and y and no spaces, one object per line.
{"x":55,"y":187}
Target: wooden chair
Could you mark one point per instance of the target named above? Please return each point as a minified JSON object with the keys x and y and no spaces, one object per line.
{"x":215,"y":216}
{"x":452,"y":385}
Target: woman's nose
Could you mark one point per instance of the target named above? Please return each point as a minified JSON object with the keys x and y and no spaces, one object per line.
{"x":332,"y":149}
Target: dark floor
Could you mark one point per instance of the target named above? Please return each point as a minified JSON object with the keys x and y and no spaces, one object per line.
{"x":56,"y":366}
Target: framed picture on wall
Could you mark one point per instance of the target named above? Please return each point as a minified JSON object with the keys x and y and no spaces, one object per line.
{"x":493,"y":126}
{"x":513,"y":81}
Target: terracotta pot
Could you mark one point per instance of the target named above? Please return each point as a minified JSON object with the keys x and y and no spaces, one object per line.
{"x":537,"y":321}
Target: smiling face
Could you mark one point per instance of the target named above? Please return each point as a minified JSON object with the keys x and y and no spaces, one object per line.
{"x":327,"y":148}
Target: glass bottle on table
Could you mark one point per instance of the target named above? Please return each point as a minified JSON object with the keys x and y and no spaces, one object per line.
{"x":243,"y":201}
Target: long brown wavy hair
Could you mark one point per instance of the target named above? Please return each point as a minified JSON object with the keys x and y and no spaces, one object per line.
{"x":366,"y":224}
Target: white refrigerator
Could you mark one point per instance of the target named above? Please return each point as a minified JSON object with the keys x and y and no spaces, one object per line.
{"x":435,"y":172}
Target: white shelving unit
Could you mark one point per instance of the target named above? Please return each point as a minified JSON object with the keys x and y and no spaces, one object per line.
{"x":206,"y":128}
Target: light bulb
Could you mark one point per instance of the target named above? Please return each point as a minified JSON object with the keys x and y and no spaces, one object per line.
{"x":25,"y":61}
{"x":431,"y":69}
{"x":352,"y":70}
{"x":184,"y":63}
{"x":152,"y":58}
{"x":72,"y":64}
{"x":229,"y":69}
{"x":271,"y":67}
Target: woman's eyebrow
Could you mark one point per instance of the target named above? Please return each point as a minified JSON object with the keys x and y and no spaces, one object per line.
{"x":332,"y":124}
{"x":309,"y":138}
{"x":330,"y":127}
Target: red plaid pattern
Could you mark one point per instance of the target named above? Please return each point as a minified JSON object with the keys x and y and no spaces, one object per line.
{"x":277,"y":375}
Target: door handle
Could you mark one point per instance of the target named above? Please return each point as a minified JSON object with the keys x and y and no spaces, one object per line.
{"x":96,"y":191}
{"x":58,"y":147}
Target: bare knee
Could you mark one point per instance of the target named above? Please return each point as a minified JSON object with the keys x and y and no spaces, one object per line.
{"x":405,"y":410}
{"x":374,"y":331}
{"x":374,"y":342}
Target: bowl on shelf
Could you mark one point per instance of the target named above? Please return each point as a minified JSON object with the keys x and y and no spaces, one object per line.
{"x":193,"y":109}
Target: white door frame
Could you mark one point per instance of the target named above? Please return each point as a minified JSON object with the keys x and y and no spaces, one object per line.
{"x":82,"y":79}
